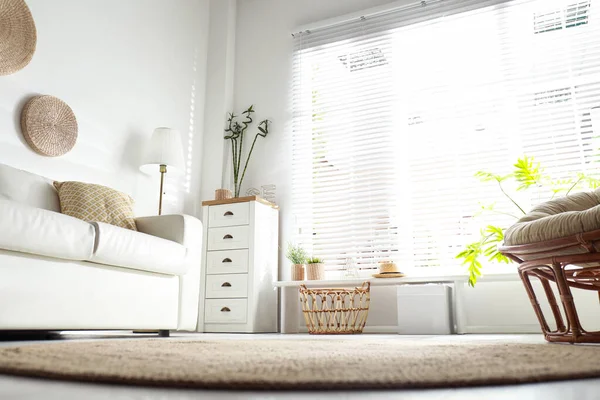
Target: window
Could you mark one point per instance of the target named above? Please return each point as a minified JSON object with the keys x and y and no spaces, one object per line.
{"x":568,"y":16}
{"x":394,"y":114}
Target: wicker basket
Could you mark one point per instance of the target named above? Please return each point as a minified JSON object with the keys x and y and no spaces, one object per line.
{"x":315,"y":272}
{"x":297,"y":272}
{"x":223,"y":194}
{"x":335,"y":311}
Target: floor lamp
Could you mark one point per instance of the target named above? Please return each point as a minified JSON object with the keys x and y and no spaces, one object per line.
{"x":164,"y":152}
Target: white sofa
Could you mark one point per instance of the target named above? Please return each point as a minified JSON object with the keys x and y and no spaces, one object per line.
{"x":61,"y":273}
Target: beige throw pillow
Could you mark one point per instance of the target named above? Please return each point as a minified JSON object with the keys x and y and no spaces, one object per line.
{"x":96,"y":203}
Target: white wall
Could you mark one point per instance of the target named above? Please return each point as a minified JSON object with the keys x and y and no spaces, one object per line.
{"x":219,"y":89}
{"x":124,"y":67}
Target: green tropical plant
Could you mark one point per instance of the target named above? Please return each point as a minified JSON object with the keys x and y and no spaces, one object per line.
{"x":528,"y":175}
{"x":235,"y":132}
{"x":296,"y":254}
{"x":314,"y":260}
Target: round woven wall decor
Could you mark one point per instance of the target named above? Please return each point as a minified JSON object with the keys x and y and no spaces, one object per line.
{"x":18,"y":36}
{"x":49,"y":126}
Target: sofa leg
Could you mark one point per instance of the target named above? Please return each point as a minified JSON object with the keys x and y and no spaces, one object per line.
{"x":164,"y":333}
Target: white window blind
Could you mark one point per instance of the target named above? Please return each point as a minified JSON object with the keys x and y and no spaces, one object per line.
{"x":394,"y":113}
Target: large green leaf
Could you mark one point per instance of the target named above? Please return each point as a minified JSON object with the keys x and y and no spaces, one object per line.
{"x":527,"y":172}
{"x":470,"y":256}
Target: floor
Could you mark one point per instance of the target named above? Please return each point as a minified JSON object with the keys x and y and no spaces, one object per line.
{"x":27,"y":388}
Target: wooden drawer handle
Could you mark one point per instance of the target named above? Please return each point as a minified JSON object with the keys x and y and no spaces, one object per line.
{"x":226,"y":284}
{"x":227,"y":260}
{"x":225,"y":309}
{"x":228,"y":214}
{"x":227,"y":237}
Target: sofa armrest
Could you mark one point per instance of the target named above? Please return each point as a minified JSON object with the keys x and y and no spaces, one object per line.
{"x":183,"y":229}
{"x":187,"y":231}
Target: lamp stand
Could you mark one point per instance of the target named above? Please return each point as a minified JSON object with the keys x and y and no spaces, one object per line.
{"x":163,"y":171}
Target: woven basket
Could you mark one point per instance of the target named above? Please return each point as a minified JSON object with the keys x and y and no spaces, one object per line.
{"x":223,"y":194}
{"x":315,"y":272}
{"x":335,"y":311}
{"x":297,"y":272}
{"x":49,"y":126}
{"x":18,"y":36}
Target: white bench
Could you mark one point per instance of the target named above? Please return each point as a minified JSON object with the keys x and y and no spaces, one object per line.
{"x":290,"y":304}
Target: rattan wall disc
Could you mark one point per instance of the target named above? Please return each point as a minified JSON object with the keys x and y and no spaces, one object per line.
{"x":18,"y":36}
{"x":49,"y":126}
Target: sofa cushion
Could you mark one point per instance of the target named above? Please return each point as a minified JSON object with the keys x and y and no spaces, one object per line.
{"x":46,"y":233}
{"x":558,"y":218}
{"x":130,"y":249}
{"x":96,"y":203}
{"x":27,"y":188}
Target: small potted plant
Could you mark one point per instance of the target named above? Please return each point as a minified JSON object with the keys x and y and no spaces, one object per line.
{"x":315,"y":269}
{"x":297,"y":255}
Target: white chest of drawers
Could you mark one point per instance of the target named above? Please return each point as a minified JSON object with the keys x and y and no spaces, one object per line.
{"x":239,"y":266}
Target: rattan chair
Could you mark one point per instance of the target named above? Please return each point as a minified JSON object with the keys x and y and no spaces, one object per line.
{"x":558,"y":242}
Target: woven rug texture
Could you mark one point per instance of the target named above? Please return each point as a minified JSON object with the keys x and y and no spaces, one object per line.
{"x":327,"y":363}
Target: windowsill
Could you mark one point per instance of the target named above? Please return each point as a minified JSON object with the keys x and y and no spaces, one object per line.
{"x":433,"y":275}
{"x":433,"y":272}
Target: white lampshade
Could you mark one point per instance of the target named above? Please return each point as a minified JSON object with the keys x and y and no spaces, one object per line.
{"x":164,"y":149}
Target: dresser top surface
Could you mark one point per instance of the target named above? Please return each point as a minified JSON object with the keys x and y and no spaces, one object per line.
{"x":239,"y":200}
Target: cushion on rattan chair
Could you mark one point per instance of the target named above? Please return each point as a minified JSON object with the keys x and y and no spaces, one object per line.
{"x":567,"y":216}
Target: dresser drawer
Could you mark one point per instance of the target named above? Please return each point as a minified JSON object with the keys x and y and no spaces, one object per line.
{"x":226,"y":286}
{"x":229,"y":215}
{"x":225,"y":311}
{"x":231,"y":237}
{"x":227,"y":262}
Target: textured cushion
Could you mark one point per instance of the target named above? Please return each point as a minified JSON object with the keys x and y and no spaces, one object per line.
{"x":556,"y":219}
{"x":126,"y":248}
{"x":27,"y":188}
{"x":96,"y":203}
{"x":46,"y":233}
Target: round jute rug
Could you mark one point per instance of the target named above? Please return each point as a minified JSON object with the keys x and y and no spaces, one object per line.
{"x":301,"y":364}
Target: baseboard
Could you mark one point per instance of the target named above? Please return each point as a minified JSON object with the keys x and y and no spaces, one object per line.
{"x":478,"y":329}
{"x":526,"y":328}
{"x":381,"y":329}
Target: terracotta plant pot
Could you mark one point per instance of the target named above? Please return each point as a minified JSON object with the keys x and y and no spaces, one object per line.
{"x":297,"y":272}
{"x":315,"y":272}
